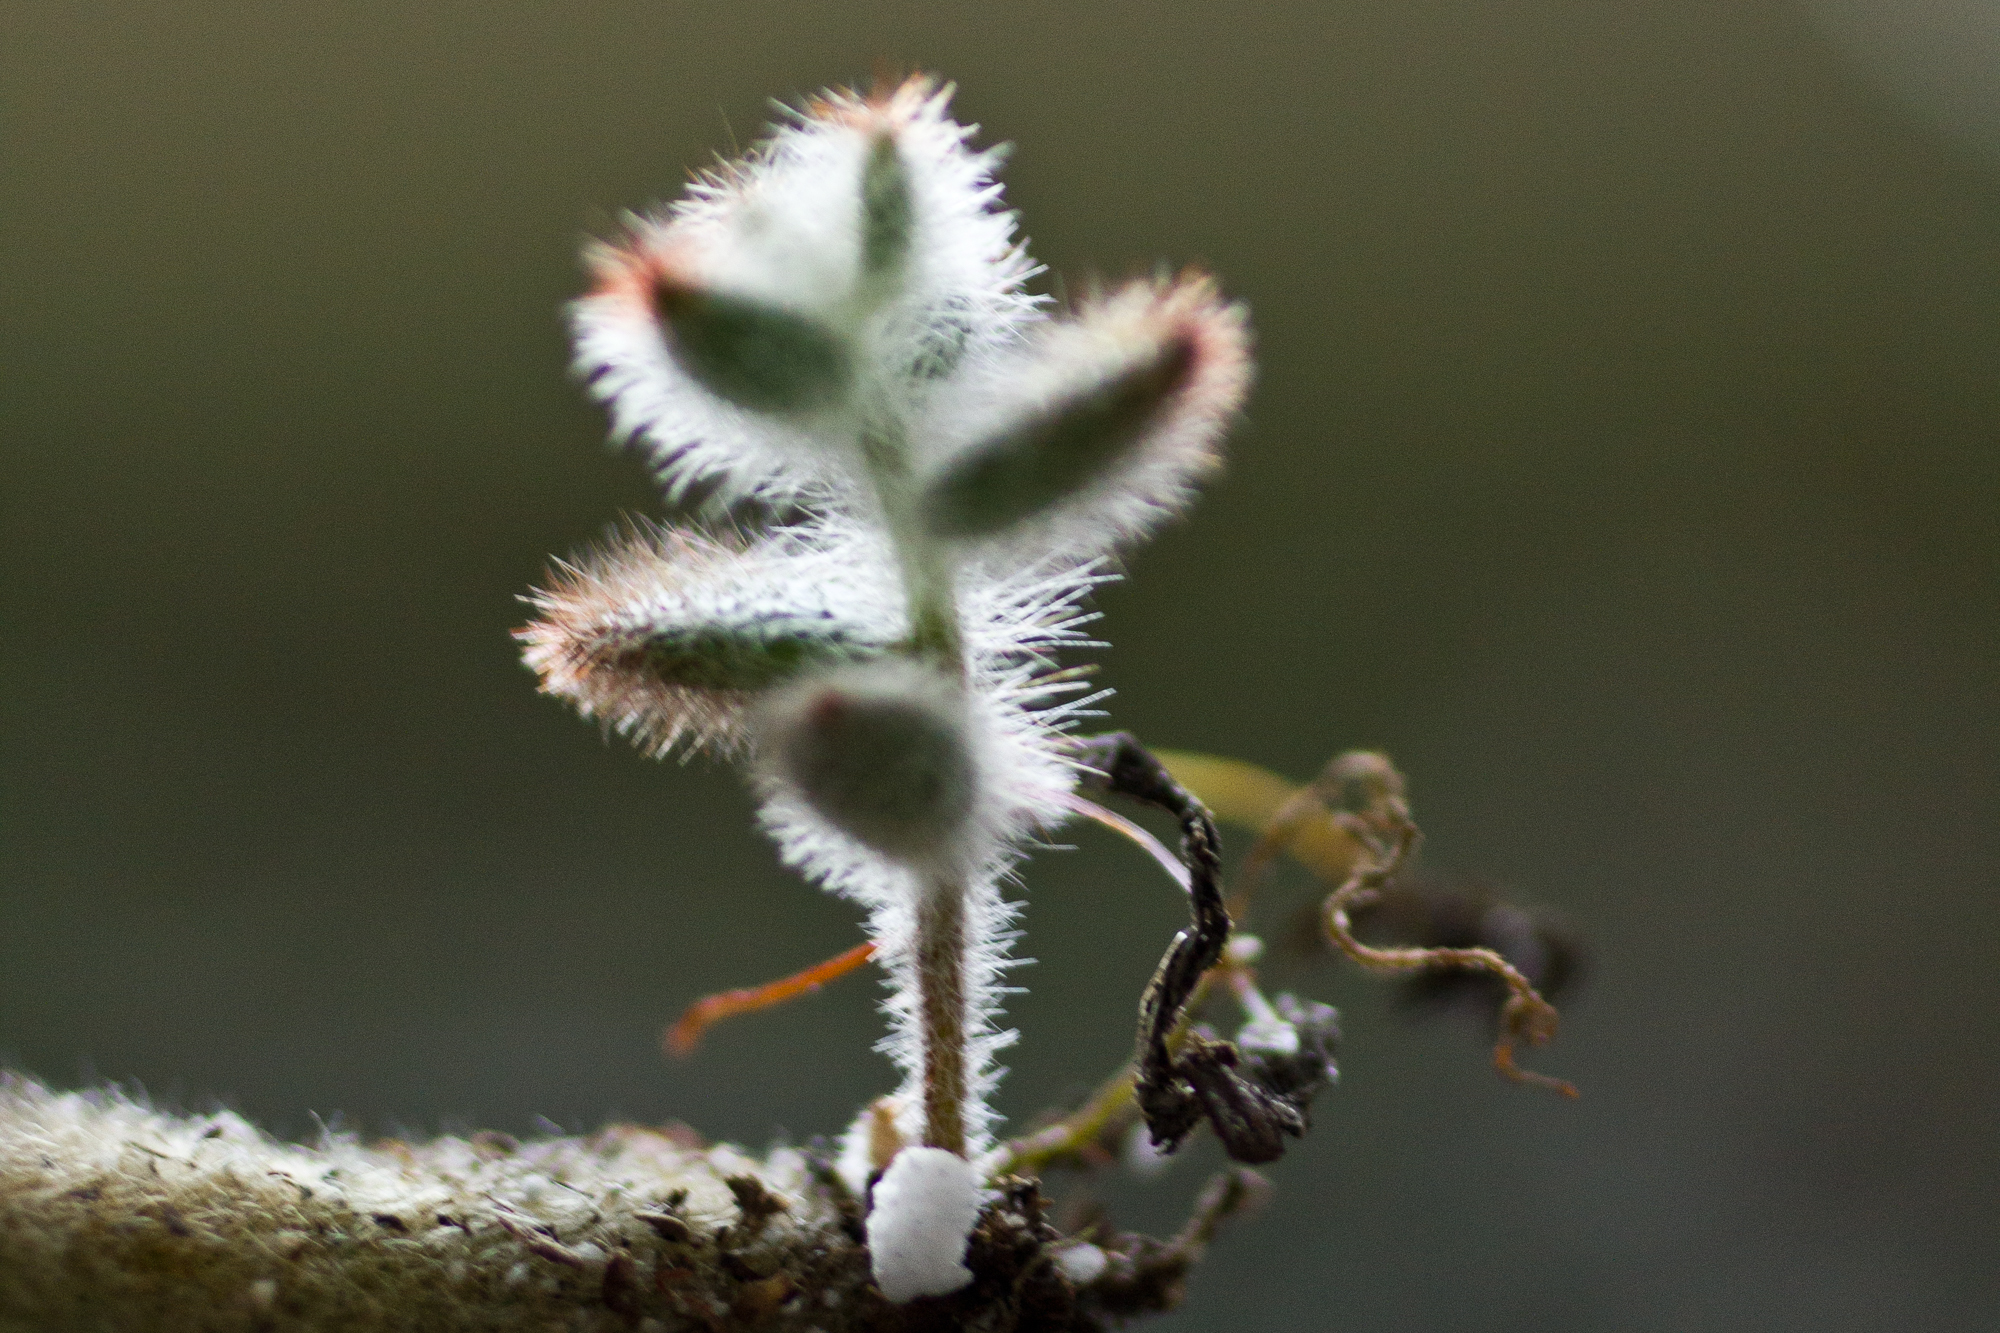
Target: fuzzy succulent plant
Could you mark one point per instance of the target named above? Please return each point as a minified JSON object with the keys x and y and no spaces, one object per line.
{"x":909,"y":471}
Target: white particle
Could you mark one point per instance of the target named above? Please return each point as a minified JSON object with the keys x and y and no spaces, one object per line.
{"x":925,"y":1205}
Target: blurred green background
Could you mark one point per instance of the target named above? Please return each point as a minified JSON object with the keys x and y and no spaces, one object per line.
{"x":1623,"y":461}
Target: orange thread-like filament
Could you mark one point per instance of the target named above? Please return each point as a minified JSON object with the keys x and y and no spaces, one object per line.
{"x":686,"y":1032}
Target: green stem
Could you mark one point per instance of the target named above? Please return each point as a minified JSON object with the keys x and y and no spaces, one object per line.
{"x":928,"y":577}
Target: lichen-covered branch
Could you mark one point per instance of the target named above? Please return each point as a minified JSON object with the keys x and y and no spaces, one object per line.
{"x":117,"y":1216}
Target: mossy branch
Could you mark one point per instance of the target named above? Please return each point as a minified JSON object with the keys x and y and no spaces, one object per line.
{"x":117,"y":1216}
{"x":113,"y":1215}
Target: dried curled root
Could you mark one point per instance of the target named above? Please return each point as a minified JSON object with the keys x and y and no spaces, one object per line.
{"x":1363,"y":793}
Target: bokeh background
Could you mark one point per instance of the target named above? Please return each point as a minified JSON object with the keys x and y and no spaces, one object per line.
{"x":1623,"y":461}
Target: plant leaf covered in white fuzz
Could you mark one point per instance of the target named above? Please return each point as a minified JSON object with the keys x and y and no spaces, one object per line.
{"x":1103,"y":425}
{"x":908,"y":267}
{"x":882,"y":751}
{"x":925,"y":1205}
{"x":666,"y":634}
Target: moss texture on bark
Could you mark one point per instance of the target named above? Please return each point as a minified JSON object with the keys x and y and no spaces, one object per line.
{"x":114,"y":1216}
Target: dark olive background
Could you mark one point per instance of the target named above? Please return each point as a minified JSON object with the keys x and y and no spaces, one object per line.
{"x":1623,"y":460}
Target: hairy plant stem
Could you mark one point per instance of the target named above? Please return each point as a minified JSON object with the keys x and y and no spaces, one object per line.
{"x":941,"y":982}
{"x":928,"y":584}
